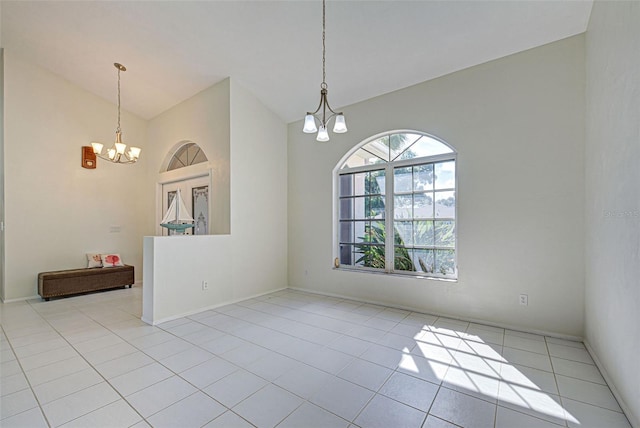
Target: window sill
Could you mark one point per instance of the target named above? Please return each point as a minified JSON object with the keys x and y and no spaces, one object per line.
{"x":396,"y":274}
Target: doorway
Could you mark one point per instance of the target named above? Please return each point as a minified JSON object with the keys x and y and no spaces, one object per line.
{"x":195,"y":195}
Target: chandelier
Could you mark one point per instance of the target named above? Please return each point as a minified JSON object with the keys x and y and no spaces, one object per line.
{"x":340,"y":126}
{"x":118,"y":152}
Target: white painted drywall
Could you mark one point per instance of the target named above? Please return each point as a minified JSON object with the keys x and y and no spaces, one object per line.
{"x":1,"y":171}
{"x":518,"y":126}
{"x":55,"y":210}
{"x":252,"y":259}
{"x":176,"y":266}
{"x":258,"y":194}
{"x":612,"y":294}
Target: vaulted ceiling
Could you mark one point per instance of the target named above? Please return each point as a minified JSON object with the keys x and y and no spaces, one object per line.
{"x":174,"y":49}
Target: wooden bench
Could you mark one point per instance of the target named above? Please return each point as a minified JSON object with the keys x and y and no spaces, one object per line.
{"x":77,"y":281}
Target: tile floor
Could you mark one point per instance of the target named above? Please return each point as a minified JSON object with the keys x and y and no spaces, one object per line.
{"x":288,"y":359}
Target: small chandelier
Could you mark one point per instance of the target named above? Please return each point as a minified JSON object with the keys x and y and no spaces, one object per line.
{"x":118,"y":152}
{"x":340,"y":126}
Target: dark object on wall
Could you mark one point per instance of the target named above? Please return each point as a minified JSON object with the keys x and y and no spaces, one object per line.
{"x":88,"y":157}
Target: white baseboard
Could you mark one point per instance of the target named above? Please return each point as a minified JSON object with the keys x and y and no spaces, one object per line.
{"x":437,"y":314}
{"x":20,"y":299}
{"x":635,"y":423}
{"x":208,"y":308}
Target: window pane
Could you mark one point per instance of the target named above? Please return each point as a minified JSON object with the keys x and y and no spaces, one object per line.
{"x":359,"y":183}
{"x":423,"y":261}
{"x":399,"y":143}
{"x":403,"y":259}
{"x":445,"y":204}
{"x":361,"y":229}
{"x":200,"y":209}
{"x":379,"y":147}
{"x":360,"y":208}
{"x":346,"y":231}
{"x":361,"y":255}
{"x":423,"y":233}
{"x":423,"y":205}
{"x":445,"y":233}
{"x":445,"y":175}
{"x":403,"y":207}
{"x":188,"y":154}
{"x":346,"y":185}
{"x":425,"y":146}
{"x":370,"y":256}
{"x":377,"y":232}
{"x":445,"y":262}
{"x":199,"y":158}
{"x":404,"y":233}
{"x":376,"y":207}
{"x":360,"y":158}
{"x":377,"y":182}
{"x":346,"y":254}
{"x":423,"y":177}
{"x":402,"y":180}
{"x":346,"y":208}
{"x":372,"y":187}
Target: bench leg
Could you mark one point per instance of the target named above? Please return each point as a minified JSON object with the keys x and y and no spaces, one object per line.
{"x":46,"y":299}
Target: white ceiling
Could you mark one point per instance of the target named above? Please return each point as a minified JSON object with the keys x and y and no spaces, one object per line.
{"x":174,"y":49}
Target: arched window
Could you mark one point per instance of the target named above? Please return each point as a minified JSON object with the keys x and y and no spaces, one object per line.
{"x":187,"y":155}
{"x":396,"y":206}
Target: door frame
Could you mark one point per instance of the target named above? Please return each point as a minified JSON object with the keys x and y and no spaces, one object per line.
{"x":182,"y":174}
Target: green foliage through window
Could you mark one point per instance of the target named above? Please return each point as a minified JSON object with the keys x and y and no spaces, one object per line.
{"x":420,"y":211}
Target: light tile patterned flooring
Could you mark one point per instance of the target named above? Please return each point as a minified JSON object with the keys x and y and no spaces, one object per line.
{"x":287,"y":359}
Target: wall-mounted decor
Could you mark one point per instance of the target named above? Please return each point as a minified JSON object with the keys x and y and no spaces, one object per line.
{"x":88,"y":157}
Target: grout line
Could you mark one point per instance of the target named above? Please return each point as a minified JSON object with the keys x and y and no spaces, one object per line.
{"x":293,"y":312}
{"x":27,"y":379}
{"x":90,"y":365}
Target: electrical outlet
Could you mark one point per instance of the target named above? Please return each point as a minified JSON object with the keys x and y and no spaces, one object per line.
{"x":205,"y":285}
{"x":524,"y":300}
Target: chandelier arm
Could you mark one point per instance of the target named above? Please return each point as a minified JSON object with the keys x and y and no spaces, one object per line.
{"x":116,"y":159}
{"x":326,"y":101}
{"x":319,"y":107}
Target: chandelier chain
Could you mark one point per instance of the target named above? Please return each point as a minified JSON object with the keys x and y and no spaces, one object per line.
{"x":324,"y":79}
{"x":118,"y":129}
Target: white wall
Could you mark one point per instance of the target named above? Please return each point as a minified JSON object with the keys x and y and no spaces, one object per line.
{"x":518,"y":126}
{"x":175,"y":267}
{"x":258,"y":194}
{"x":613,"y":197}
{"x":252,"y":260}
{"x":1,"y":170}
{"x":55,"y":210}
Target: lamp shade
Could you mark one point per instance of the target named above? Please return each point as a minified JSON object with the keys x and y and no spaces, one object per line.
{"x":340,"y":127}
{"x":97,"y":147}
{"x":309,"y":124}
{"x":134,"y":152}
{"x":323,"y":135}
